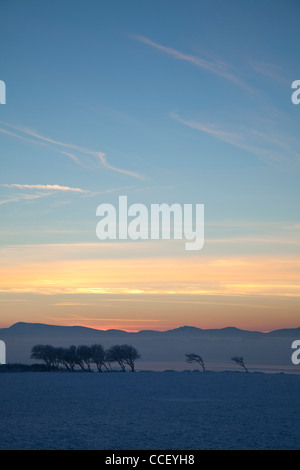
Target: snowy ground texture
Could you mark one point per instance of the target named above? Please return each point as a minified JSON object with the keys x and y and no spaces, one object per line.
{"x":149,"y":410}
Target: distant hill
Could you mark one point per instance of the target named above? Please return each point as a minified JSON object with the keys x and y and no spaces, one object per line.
{"x":214,"y":345}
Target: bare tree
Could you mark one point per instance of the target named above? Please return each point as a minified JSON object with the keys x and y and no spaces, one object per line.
{"x":69,"y":357}
{"x":60,"y":357}
{"x":44,"y":353}
{"x":99,"y":357}
{"x":240,"y":362}
{"x":130,"y":355}
{"x":115,"y":354}
{"x":191,"y":357}
{"x":84,"y":357}
{"x":123,"y":354}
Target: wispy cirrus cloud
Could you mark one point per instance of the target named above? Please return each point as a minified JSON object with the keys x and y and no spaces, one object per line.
{"x":30,"y":192}
{"x":47,"y":187}
{"x":21,"y":197}
{"x":269,"y":70}
{"x":67,"y":149}
{"x":268,"y":145}
{"x":207,"y":128}
{"x":217,"y":67}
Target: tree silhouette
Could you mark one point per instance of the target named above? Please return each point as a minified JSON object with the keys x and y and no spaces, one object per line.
{"x":60,"y":358}
{"x":115,"y":354}
{"x":70,"y":358}
{"x":240,"y":362}
{"x":130,"y":355}
{"x":84,"y":357}
{"x":99,"y":357}
{"x":44,"y":353}
{"x":191,"y":357}
{"x":123,"y":354}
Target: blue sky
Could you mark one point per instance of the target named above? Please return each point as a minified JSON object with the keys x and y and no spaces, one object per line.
{"x":169,"y":101}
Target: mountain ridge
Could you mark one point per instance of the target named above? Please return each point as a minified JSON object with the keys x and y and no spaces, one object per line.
{"x":181,"y":329}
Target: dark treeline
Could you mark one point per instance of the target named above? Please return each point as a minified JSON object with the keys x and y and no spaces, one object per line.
{"x":84,"y":356}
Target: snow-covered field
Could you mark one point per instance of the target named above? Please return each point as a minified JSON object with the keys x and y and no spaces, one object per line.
{"x":149,"y":410}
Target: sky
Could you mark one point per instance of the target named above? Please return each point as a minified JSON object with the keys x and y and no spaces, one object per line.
{"x":185,"y":102}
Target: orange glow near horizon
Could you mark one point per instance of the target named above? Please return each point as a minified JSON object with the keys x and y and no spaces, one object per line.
{"x":263,"y":276}
{"x":153,"y":293}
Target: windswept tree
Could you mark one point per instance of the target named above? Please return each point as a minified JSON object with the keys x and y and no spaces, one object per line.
{"x":123,"y":354}
{"x":44,"y":353}
{"x":115,"y":354}
{"x":99,"y":357}
{"x":60,"y":357}
{"x":130,"y":355}
{"x":84,"y":357}
{"x":240,"y":362}
{"x":191,"y":358}
{"x":70,"y":358}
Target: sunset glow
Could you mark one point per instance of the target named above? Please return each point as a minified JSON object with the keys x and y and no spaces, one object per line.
{"x":205,"y":288}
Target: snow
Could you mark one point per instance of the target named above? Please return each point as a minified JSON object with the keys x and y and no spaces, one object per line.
{"x":149,"y":410}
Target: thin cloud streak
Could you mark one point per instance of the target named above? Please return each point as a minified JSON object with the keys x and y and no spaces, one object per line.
{"x":218,"y":68}
{"x":207,"y":128}
{"x":23,"y":197}
{"x":100,"y":156}
{"x":38,"y":191}
{"x":46,"y":187}
{"x":270,"y":70}
{"x":252,"y":141}
{"x":44,"y":190}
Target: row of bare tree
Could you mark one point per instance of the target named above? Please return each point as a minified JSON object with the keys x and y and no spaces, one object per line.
{"x":84,"y":356}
